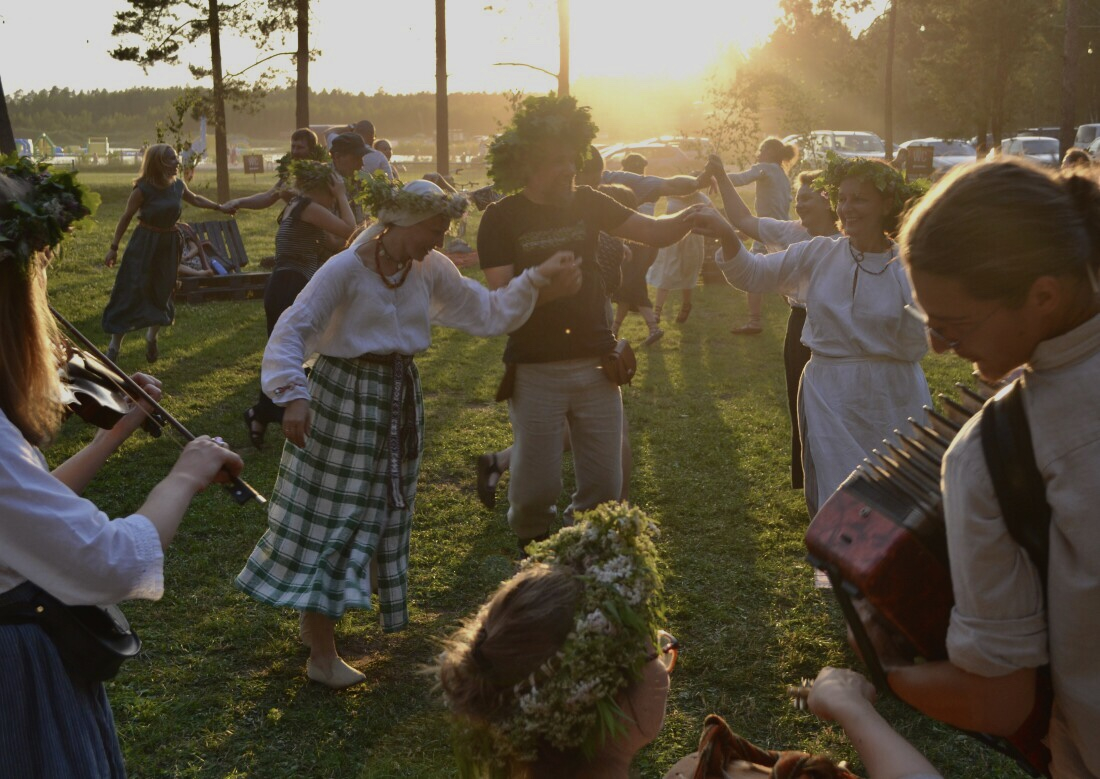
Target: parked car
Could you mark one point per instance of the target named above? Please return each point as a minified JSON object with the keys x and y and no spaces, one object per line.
{"x":670,"y":157}
{"x":1086,"y":135}
{"x":1094,"y":148}
{"x":846,"y":143}
{"x":946,"y":154}
{"x":1044,"y":151}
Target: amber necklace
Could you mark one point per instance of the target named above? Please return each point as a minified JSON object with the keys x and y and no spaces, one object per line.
{"x":402,"y":270}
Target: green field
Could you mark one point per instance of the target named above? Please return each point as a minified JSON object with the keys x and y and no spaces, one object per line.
{"x":220,"y":688}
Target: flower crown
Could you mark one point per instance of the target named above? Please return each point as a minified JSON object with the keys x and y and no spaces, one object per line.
{"x":380,"y":193}
{"x":310,"y":174}
{"x":38,"y":219}
{"x":883,"y":177}
{"x":317,"y":153}
{"x":537,"y":122}
{"x":569,"y":702}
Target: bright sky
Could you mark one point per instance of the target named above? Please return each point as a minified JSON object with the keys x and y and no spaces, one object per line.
{"x":391,"y":46}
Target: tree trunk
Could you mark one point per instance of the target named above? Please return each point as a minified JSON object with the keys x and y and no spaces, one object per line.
{"x":1071,"y":57}
{"x":301,"y":103}
{"x":442,"y":121}
{"x":7,"y":135}
{"x":888,"y":103}
{"x":221,"y":147}
{"x":563,"y":48}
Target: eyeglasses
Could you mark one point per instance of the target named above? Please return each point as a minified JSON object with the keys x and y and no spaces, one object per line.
{"x":668,"y":649}
{"x":933,"y":333}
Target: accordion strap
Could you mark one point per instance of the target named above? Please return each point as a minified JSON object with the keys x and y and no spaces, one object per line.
{"x":1020,"y":489}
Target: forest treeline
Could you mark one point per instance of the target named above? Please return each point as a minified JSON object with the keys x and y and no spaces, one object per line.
{"x":130,"y":117}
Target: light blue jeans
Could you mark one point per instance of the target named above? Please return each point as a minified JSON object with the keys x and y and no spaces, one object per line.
{"x":547,"y":398}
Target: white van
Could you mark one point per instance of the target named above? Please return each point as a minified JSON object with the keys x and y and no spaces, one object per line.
{"x":1086,"y":134}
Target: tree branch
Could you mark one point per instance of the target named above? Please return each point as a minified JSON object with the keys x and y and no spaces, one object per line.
{"x":525,"y":65}
{"x":260,"y":62}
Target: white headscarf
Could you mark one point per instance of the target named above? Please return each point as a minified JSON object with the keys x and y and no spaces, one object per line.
{"x":430,"y":201}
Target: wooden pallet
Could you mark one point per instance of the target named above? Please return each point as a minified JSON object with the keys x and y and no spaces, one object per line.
{"x":226,"y":239}
{"x":235,"y":286}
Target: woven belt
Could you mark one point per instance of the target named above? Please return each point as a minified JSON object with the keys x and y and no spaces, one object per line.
{"x":403,"y":439}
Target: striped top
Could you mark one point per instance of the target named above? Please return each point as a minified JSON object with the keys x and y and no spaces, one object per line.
{"x":299,"y":245}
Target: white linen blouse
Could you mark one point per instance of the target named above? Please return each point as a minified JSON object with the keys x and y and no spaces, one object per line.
{"x":62,"y":542}
{"x":346,"y":310}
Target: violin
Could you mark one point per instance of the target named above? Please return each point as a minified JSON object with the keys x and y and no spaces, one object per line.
{"x":99,"y":392}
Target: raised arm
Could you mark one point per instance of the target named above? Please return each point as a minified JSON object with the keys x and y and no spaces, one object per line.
{"x":257,"y":202}
{"x":737,"y":212}
{"x":198,"y":201}
{"x":340,"y":226}
{"x":657,"y":231}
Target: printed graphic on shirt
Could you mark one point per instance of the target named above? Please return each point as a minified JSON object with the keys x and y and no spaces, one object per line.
{"x":546,"y":242}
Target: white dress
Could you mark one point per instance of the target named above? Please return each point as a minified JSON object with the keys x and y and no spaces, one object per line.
{"x":864,"y":379}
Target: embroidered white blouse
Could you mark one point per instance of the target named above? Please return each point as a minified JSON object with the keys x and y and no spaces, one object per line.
{"x":62,"y":542}
{"x":346,"y":310}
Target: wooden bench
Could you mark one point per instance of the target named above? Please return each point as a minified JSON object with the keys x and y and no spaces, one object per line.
{"x":225,"y":236}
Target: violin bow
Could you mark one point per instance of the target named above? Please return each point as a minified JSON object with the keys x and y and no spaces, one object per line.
{"x":239,"y":489}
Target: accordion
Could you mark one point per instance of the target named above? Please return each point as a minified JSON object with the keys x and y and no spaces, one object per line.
{"x":880,"y":538}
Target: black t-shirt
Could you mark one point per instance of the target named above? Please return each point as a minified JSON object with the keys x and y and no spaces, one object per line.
{"x":519,"y":232}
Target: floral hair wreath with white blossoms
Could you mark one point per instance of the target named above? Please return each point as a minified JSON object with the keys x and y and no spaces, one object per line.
{"x":899,"y":193}
{"x":380,"y":193}
{"x":46,"y":205}
{"x":569,"y":702}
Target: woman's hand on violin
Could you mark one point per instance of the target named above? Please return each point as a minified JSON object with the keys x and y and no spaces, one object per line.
{"x":296,"y":421}
{"x":134,"y":418}
{"x":110,"y":258}
{"x":206,"y":460}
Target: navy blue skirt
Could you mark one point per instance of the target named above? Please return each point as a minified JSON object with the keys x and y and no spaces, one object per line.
{"x":51,"y":723}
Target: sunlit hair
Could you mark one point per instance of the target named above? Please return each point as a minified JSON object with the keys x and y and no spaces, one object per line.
{"x":521,"y":627}
{"x":806,"y":177}
{"x":786,"y":154}
{"x":29,"y":388}
{"x":1077,"y":158}
{"x":995,"y":227}
{"x":635,"y":163}
{"x":305,"y":134}
{"x":153,"y":166}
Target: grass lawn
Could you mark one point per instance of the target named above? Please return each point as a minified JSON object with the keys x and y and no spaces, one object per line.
{"x":220,"y":688}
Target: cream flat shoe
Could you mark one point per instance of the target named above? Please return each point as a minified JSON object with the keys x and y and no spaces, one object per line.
{"x":339,"y":676}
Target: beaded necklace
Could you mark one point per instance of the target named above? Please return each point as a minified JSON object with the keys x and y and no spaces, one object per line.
{"x":403,"y":270}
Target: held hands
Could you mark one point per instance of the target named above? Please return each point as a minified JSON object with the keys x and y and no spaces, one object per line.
{"x":564,"y":271}
{"x":708,"y":222}
{"x":228,"y":208}
{"x":296,"y":422}
{"x":837,"y":692}
{"x":715,"y":167}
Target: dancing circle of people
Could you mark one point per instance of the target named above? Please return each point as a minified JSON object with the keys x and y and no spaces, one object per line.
{"x":565,"y":670}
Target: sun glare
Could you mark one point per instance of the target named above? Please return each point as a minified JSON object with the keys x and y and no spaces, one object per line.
{"x":658,"y":38}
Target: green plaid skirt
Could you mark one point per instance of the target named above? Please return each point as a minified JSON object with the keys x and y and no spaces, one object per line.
{"x":330,"y":513}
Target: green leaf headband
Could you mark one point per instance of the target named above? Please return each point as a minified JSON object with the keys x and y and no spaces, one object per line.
{"x":569,"y":702}
{"x":45,"y":206}
{"x":538,"y":121}
{"x":883,"y":177}
{"x":309,"y":175}
{"x":317,"y":153}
